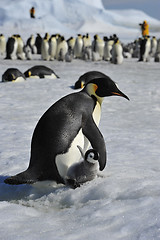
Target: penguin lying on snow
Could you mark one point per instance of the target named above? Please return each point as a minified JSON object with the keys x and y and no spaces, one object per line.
{"x":83,"y":171}
{"x":86,"y":77}
{"x":73,"y":120}
{"x":14,"y":75}
{"x":40,"y":71}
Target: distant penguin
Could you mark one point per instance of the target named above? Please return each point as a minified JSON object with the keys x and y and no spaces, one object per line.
{"x":98,"y":46}
{"x":11,"y":48}
{"x":40,"y":71}
{"x":153,"y":46}
{"x":62,"y":49}
{"x":52,"y":47}
{"x":145,"y":48}
{"x":2,"y":44}
{"x":86,"y":77}
{"x":83,"y":171}
{"x":73,"y":120}
{"x":20,"y":48}
{"x":157,"y":54}
{"x":45,"y":48}
{"x":71,"y":42}
{"x":108,"y":48}
{"x":28,"y":52}
{"x":13,"y":75}
{"x":136,"y":48}
{"x":38,"y":43}
{"x":31,"y":43}
{"x":69,"y":55}
{"x":117,"y":52}
{"x":78,"y":46}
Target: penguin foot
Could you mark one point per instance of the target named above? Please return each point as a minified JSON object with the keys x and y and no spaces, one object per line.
{"x":15,"y":180}
{"x":72,"y":183}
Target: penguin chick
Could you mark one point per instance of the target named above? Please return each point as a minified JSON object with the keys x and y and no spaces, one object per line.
{"x":83,"y":171}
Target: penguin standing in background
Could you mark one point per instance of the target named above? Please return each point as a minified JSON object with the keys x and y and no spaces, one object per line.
{"x":98,"y":46}
{"x":52,"y":47}
{"x":78,"y":46}
{"x":117,"y":52}
{"x":157,"y":54}
{"x":45,"y":48}
{"x":153,"y":46}
{"x":11,"y":48}
{"x":38,"y":43}
{"x":145,"y":48}
{"x":83,"y":171}
{"x":20,"y":47}
{"x":71,"y":43}
{"x":73,"y":120}
{"x":87,"y":47}
{"x":62,"y":49}
{"x":2,"y":44}
{"x":108,"y":48}
{"x":31,"y":44}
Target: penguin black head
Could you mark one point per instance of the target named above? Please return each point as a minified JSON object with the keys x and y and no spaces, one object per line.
{"x":91,"y":156}
{"x":103,"y":87}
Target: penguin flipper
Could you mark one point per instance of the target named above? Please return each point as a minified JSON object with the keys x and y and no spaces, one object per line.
{"x":93,"y":134}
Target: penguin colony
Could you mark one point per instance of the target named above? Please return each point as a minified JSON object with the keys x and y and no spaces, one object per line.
{"x":56,"y":47}
{"x":64,"y":133}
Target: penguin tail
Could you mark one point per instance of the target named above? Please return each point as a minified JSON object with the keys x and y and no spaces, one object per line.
{"x":21,"y":178}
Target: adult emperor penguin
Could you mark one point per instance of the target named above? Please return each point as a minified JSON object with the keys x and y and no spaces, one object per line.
{"x":83,"y":171}
{"x":11,"y":48}
{"x":145,"y":48}
{"x":2,"y":44}
{"x":78,"y":46}
{"x":52,"y":47}
{"x":117,"y":52}
{"x":73,"y":120}
{"x":45,"y":48}
{"x":40,"y":71}
{"x":13,"y":75}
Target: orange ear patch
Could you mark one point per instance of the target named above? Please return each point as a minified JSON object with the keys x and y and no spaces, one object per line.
{"x":95,"y":87}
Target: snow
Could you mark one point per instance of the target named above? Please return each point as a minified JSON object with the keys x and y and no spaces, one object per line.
{"x":123,"y":204}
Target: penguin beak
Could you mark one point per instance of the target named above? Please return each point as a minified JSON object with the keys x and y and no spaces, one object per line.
{"x":121,"y":94}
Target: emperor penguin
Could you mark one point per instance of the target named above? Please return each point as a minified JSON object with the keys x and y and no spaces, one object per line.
{"x":62,"y":49}
{"x":20,"y":47}
{"x":98,"y":46}
{"x":71,"y":43}
{"x":78,"y":46}
{"x":38,"y":43}
{"x":11,"y":48}
{"x":157,"y":54}
{"x":45,"y":48}
{"x":145,"y":48}
{"x":40,"y":71}
{"x":86,"y":77}
{"x":83,"y":171}
{"x":153,"y":46}
{"x":13,"y":75}
{"x":117,"y":52}
{"x":52,"y":47}
{"x":73,"y":120}
{"x":108,"y":48}
{"x":2,"y":44}
{"x":31,"y":44}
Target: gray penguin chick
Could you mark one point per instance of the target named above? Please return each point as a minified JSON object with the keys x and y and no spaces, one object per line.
{"x":83,"y":171}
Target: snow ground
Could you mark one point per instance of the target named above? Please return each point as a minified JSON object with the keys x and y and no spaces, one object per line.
{"x":124,"y":203}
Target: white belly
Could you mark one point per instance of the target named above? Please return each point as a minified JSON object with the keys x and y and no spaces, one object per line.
{"x":64,"y":161}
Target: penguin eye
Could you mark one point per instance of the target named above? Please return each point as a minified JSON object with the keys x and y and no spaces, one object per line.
{"x":91,"y":155}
